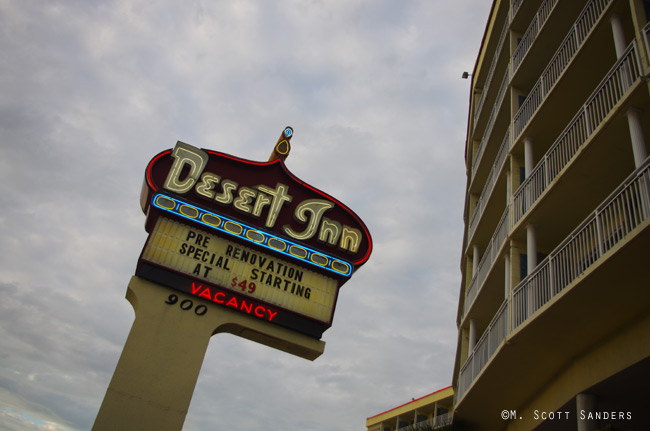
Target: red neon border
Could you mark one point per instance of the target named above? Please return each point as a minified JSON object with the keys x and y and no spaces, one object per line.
{"x":298,"y":180}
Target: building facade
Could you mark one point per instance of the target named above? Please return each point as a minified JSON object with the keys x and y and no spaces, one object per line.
{"x":554,"y":310}
{"x":430,"y":412}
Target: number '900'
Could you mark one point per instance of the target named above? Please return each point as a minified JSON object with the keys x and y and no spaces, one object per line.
{"x":186,"y":304}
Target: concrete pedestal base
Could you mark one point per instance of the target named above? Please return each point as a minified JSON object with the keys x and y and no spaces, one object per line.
{"x":155,"y":377}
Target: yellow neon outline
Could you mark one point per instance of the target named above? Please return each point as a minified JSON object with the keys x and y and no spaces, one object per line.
{"x":297,"y":255}
{"x":207,"y":222}
{"x":180,"y":210}
{"x":278,"y":240}
{"x":347,"y":267}
{"x":257,"y":232}
{"x":165,"y":199}
{"x":241,"y":228}
{"x":318,"y":263}
{"x":278,"y":146}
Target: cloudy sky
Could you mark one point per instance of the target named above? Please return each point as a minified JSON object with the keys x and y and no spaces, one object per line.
{"x":90,"y":91}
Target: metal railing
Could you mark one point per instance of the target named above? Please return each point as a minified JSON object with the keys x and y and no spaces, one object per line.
{"x":485,"y":348}
{"x":589,"y":17}
{"x":602,"y":101}
{"x":493,"y":176}
{"x":431,"y":423}
{"x":561,"y":59}
{"x":612,"y":221}
{"x":488,"y":80}
{"x":493,"y":116}
{"x":515,"y":8}
{"x":615,"y":218}
{"x":646,"y":36}
{"x":489,"y":256}
{"x":625,"y":210}
{"x":626,"y":70}
{"x":529,"y":107}
{"x":529,"y":37}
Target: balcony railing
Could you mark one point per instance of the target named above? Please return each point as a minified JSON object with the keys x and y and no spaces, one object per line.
{"x":602,"y":101}
{"x":646,"y":36}
{"x":433,"y":423}
{"x":489,"y":256}
{"x":622,"y":212}
{"x":590,"y":15}
{"x":612,"y":221}
{"x":492,"y":178}
{"x":491,"y":120}
{"x":488,"y":80}
{"x":531,"y":33}
{"x":515,"y":8}
{"x":485,"y":348}
{"x":563,"y":56}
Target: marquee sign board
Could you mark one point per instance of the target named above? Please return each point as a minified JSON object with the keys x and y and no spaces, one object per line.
{"x":249,"y":236}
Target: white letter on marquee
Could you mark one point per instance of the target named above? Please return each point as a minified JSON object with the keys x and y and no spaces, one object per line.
{"x":185,"y":154}
{"x":316,"y":208}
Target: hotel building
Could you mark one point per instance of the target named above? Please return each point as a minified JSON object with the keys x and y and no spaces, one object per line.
{"x":554,"y":310}
{"x":430,"y":412}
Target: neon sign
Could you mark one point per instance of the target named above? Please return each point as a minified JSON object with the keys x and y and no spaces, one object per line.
{"x":249,"y":236}
{"x":263,"y":195}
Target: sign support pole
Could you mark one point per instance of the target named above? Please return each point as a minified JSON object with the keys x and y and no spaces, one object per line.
{"x":155,"y":377}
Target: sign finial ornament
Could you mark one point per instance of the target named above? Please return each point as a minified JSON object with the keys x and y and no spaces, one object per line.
{"x":282,"y":147}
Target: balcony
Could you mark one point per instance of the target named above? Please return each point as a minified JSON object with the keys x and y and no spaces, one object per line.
{"x":538,"y":21}
{"x":484,"y":350}
{"x":491,"y":120}
{"x":560,"y":61}
{"x":490,"y":255}
{"x":529,"y":37}
{"x":622,"y":217}
{"x":433,"y":423}
{"x":490,"y":183}
{"x":618,"y":216}
{"x":488,"y":80}
{"x":603,"y":100}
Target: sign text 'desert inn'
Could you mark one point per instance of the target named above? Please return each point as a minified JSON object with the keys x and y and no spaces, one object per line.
{"x":249,"y":236}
